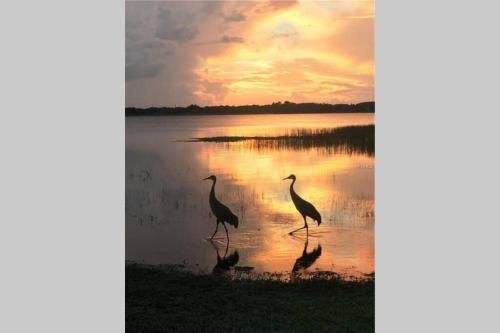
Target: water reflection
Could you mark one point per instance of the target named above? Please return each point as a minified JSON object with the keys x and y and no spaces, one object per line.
{"x":225,"y":262}
{"x":342,"y":140}
{"x":325,"y":149}
{"x":168,"y":215}
{"x":307,"y":258}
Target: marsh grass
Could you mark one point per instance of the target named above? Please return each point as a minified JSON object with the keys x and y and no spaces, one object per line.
{"x":172,"y":299}
{"x":349,"y":139}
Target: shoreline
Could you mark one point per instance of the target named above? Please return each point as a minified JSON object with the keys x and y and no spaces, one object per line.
{"x":234,"y":114}
{"x":168,"y":299}
{"x":275,"y":108}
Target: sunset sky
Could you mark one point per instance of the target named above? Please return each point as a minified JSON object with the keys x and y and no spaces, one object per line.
{"x":235,"y":52}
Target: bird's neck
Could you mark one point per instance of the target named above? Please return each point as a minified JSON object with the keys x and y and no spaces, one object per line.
{"x":291,"y":186}
{"x":212,"y":191}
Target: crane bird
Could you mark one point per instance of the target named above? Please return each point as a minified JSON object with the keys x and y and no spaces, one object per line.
{"x":305,"y":208}
{"x":221,"y":212}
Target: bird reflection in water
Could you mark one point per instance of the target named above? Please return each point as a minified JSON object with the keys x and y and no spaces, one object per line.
{"x":307,"y":259}
{"x":225,"y":262}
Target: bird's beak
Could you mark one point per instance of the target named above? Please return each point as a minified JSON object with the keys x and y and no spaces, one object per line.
{"x":286,"y":178}
{"x":206,"y":178}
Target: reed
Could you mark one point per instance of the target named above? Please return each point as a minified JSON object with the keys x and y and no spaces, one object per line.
{"x":349,"y":139}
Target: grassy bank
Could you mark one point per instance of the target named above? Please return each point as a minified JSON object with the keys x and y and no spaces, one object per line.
{"x":350,"y":139}
{"x":172,"y":299}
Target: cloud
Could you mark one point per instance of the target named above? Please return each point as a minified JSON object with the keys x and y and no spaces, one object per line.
{"x":355,"y":38}
{"x":180,"y":34}
{"x":284,"y":34}
{"x":160,"y":58}
{"x":233,"y":52}
{"x":180,"y":21}
{"x":171,"y":28}
{"x":141,"y":71}
{"x":280,"y":4}
{"x":231,"y":39}
{"x":234,"y":16}
{"x":213,"y":91}
{"x":224,"y":40}
{"x":164,"y":48}
{"x":299,"y":97}
{"x":146,"y":59}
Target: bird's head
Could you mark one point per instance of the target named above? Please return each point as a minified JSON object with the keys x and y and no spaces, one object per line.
{"x":290,"y":177}
{"x":212,"y":177}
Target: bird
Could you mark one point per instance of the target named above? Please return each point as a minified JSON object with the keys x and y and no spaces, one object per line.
{"x":221,"y":212}
{"x":306,"y":209}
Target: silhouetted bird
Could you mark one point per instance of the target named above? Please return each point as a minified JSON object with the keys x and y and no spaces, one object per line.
{"x":305,"y":208}
{"x":307,"y":259}
{"x":221,"y":212}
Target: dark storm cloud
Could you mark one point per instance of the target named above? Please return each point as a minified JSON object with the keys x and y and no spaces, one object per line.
{"x":146,"y":59}
{"x":175,"y":26}
{"x":141,"y":71}
{"x":224,"y":40}
{"x":159,"y":55}
{"x":180,"y":34}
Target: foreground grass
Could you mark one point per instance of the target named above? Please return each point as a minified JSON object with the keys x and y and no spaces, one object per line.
{"x":175,"y":300}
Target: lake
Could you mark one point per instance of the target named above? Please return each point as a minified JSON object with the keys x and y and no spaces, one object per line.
{"x":168,"y":218}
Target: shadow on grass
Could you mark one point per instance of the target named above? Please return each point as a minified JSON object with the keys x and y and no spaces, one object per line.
{"x":172,"y":299}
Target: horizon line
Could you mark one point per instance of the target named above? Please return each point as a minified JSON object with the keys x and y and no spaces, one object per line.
{"x":242,"y":105}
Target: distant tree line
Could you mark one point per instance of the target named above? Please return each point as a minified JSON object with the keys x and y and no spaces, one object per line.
{"x":275,"y":108}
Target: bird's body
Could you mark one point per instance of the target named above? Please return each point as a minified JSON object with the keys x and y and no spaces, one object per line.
{"x":222,"y":213}
{"x":306,"y":209}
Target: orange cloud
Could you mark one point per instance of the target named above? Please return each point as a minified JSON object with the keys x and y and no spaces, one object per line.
{"x":290,"y":50}
{"x":234,"y":52}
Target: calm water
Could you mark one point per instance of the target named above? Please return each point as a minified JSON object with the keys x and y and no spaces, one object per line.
{"x":168,"y":217}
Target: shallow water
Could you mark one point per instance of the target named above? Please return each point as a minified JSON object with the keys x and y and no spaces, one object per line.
{"x":168,"y":217}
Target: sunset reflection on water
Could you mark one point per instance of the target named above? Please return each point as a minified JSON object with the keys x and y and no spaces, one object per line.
{"x":168,"y":219}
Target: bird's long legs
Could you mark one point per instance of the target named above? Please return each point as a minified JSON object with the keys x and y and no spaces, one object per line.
{"x":305,"y":226}
{"x":291,"y":232}
{"x":224,"y":225}
{"x":216,"y":228}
